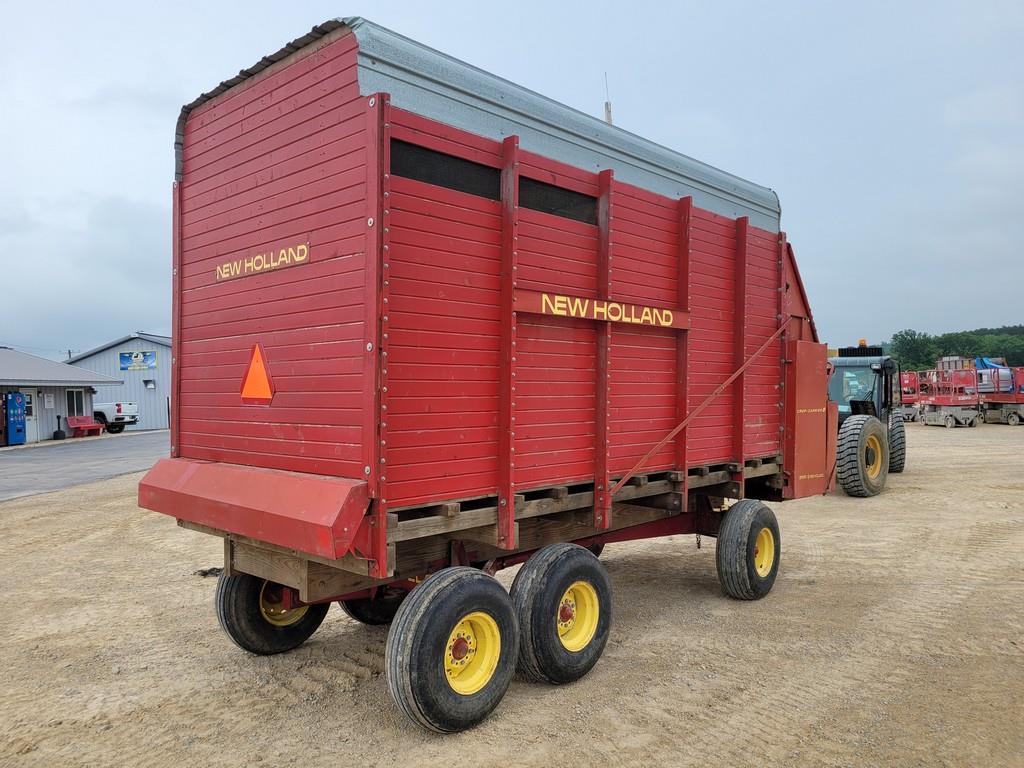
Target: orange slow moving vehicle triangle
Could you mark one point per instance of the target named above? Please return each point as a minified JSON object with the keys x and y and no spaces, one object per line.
{"x":257,"y":387}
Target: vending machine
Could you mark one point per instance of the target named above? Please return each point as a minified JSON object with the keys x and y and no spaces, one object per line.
{"x":15,"y":420}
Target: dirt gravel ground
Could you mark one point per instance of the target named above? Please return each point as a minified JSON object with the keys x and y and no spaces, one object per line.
{"x":894,"y":637}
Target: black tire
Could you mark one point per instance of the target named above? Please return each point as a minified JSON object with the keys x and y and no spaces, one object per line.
{"x":418,"y":649}
{"x":115,"y":429}
{"x":746,"y":566}
{"x":857,"y":474}
{"x":597,"y":549}
{"x":1013,"y":419}
{"x":897,"y":445}
{"x":241,"y":601}
{"x":563,"y":599}
{"x":375,"y":611}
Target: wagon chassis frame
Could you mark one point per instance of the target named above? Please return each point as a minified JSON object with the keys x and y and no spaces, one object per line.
{"x":424,"y":539}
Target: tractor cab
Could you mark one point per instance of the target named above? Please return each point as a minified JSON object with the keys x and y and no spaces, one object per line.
{"x":865,"y":385}
{"x":864,"y":382}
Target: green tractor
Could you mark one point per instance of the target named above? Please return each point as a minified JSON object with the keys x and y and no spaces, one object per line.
{"x":865,"y":384}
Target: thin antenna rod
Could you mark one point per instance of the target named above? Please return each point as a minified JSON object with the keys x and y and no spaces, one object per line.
{"x":607,"y":101}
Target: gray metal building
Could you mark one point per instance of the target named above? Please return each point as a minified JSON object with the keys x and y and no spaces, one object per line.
{"x":53,"y":391}
{"x":143,"y":362}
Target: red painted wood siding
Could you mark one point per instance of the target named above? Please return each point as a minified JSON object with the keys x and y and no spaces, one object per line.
{"x":279,"y":160}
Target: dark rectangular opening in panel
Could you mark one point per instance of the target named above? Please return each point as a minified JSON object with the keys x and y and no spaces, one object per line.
{"x":548,"y":198}
{"x":426,"y":165}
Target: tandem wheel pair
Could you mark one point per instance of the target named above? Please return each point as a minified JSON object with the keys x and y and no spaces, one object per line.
{"x":458,"y":638}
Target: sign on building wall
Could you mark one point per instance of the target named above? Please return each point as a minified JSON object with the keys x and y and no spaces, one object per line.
{"x":137,"y":361}
{"x":48,"y":401}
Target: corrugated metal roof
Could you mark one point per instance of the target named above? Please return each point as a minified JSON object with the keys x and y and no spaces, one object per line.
{"x":22,"y":369}
{"x":153,"y":337}
{"x":427,"y":82}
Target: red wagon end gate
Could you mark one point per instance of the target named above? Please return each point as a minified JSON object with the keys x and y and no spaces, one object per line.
{"x":425,"y":318}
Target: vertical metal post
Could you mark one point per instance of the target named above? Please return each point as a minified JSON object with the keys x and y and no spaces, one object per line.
{"x":507,"y":538}
{"x":783,"y":341}
{"x":740,"y":349}
{"x":176,"y":282}
{"x":685,"y":210}
{"x":602,"y":357}
{"x":375,"y":331}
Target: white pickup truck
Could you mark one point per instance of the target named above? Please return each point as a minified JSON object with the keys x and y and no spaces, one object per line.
{"x":115,"y":416}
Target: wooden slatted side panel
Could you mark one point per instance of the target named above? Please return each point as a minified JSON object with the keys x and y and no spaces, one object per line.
{"x":555,"y":405}
{"x":643,"y":360}
{"x":762,"y":418}
{"x":277,"y":162}
{"x":712,"y":263}
{"x":443,"y":344}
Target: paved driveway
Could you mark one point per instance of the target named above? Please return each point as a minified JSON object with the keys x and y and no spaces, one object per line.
{"x":52,"y":467}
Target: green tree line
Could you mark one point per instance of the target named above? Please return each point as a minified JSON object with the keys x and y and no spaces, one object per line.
{"x":918,"y":351}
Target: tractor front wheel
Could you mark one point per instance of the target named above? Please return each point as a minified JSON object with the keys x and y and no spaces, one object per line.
{"x":897,"y":444}
{"x":259,"y":616}
{"x":862,"y":457}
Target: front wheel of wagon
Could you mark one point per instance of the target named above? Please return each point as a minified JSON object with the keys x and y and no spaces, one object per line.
{"x":377,"y":610}
{"x":451,"y":651}
{"x":563,"y":599}
{"x":748,"y":551}
{"x":258,"y":616}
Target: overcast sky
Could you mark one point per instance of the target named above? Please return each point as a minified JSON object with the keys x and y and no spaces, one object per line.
{"x":893,"y":133}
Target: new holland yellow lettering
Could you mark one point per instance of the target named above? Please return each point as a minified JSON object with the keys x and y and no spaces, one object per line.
{"x":647,"y":316}
{"x":547,"y":307}
{"x":561,"y":305}
{"x":578,"y":306}
{"x":600,"y":309}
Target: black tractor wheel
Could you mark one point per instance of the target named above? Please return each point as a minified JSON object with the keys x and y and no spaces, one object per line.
{"x":897,"y":445}
{"x":563,"y":600}
{"x":862,"y":456}
{"x":377,"y":610}
{"x":748,"y":551}
{"x":115,"y":429}
{"x":253,"y":614}
{"x":452,"y":649}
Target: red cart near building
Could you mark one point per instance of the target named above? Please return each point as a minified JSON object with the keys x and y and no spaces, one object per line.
{"x":429,"y":324}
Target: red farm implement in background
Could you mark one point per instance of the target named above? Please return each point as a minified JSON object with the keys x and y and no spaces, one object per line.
{"x":949,"y":394}
{"x":910,"y":389}
{"x":1001,"y":393}
{"x":429,"y":324}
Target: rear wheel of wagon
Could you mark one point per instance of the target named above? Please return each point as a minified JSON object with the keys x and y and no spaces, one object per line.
{"x":563,"y":599}
{"x":862,"y":456}
{"x":258,"y":616}
{"x":748,"y":551}
{"x":452,"y":648}
{"x":377,"y":610}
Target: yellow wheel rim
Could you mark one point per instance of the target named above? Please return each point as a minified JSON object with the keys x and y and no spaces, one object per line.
{"x":875,"y":467}
{"x":764,"y":552}
{"x":472,"y":652}
{"x":577,"y":615}
{"x":272,"y":606}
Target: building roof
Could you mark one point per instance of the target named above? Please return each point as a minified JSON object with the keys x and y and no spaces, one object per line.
{"x":150,"y":337}
{"x":22,"y":369}
{"x":440,"y":87}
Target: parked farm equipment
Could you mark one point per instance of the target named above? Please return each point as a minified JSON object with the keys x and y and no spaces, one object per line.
{"x":429,"y":324}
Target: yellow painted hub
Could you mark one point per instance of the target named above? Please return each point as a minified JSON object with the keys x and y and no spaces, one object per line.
{"x":875,"y":445}
{"x":272,"y":607}
{"x":577,"y":615}
{"x":472,"y":652}
{"x":764,"y":552}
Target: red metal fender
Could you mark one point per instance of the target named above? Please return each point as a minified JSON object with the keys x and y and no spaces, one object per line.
{"x":314,"y":514}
